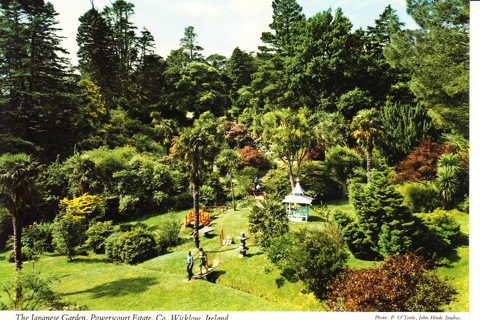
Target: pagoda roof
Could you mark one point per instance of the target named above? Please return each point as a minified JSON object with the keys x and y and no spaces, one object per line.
{"x":298,"y":195}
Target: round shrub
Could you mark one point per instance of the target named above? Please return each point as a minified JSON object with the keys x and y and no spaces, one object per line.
{"x":443,"y":233}
{"x":420,"y":197}
{"x":132,"y":246}
{"x":97,"y":235}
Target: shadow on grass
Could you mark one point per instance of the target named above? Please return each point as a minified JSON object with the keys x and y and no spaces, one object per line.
{"x":280,"y":282}
{"x":120,"y":287}
{"x":314,"y":218}
{"x":213,"y":277}
{"x":88,"y":260}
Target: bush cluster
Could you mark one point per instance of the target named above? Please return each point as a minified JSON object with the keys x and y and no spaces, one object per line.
{"x":400,"y":283}
{"x":97,"y":235}
{"x":133,"y":183}
{"x":443,"y":233}
{"x":314,"y":256}
{"x":134,"y":243}
{"x":132,"y":246}
{"x":167,"y":235}
{"x":420,"y":197}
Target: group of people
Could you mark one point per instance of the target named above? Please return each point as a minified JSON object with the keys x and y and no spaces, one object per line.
{"x":203,"y":262}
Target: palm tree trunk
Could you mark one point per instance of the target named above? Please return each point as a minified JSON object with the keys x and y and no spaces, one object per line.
{"x":17,"y":243}
{"x":195,"y":186}
{"x":231,"y":188}
{"x":369,"y":149}
{"x":17,"y":254}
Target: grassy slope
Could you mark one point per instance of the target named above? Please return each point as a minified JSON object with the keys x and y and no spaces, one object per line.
{"x":238,"y":284}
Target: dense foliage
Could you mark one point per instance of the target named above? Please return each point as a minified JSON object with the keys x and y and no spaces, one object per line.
{"x":385,"y":225}
{"x":400,"y":283}
{"x":267,"y":220}
{"x":313,"y":256}
{"x":134,"y":246}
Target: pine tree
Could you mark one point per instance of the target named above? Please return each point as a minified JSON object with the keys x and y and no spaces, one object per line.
{"x":189,"y":44}
{"x":37,"y":94}
{"x":405,"y":126}
{"x":287,"y":14}
{"x":240,"y":69}
{"x":97,"y":60}
{"x":385,"y":226}
{"x":437,"y":54}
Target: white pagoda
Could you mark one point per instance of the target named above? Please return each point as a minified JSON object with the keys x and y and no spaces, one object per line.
{"x":297,"y":204}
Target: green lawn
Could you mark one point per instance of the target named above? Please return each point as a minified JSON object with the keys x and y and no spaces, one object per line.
{"x":237,"y":284}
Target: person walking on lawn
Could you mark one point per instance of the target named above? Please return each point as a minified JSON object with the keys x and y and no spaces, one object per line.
{"x":190,"y":265}
{"x":203,"y":260}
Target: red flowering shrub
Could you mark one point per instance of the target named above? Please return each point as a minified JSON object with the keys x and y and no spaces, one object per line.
{"x":317,"y":152}
{"x":253,"y":158}
{"x":421,"y":164}
{"x":403,"y":283}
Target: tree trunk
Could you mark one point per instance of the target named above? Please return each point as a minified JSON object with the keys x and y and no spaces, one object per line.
{"x":344,"y":190}
{"x":196,"y":240}
{"x":17,"y":243}
{"x":369,"y":149}
{"x":290,"y":174}
{"x":231,"y":188}
{"x":17,"y":255}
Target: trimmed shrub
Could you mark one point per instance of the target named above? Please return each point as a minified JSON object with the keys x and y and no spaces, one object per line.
{"x":444,"y":232}
{"x":132,"y":246}
{"x":97,"y":235}
{"x":401,"y":283}
{"x":420,"y":197}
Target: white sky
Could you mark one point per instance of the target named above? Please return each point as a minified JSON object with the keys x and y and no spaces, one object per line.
{"x":221,"y":25}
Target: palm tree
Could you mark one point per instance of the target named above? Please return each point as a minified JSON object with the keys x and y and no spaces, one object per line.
{"x":198,"y":146}
{"x":19,"y":194}
{"x":289,"y":135}
{"x":447,"y":180}
{"x":82,"y":171}
{"x":366,"y":126}
{"x":229,"y":159}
